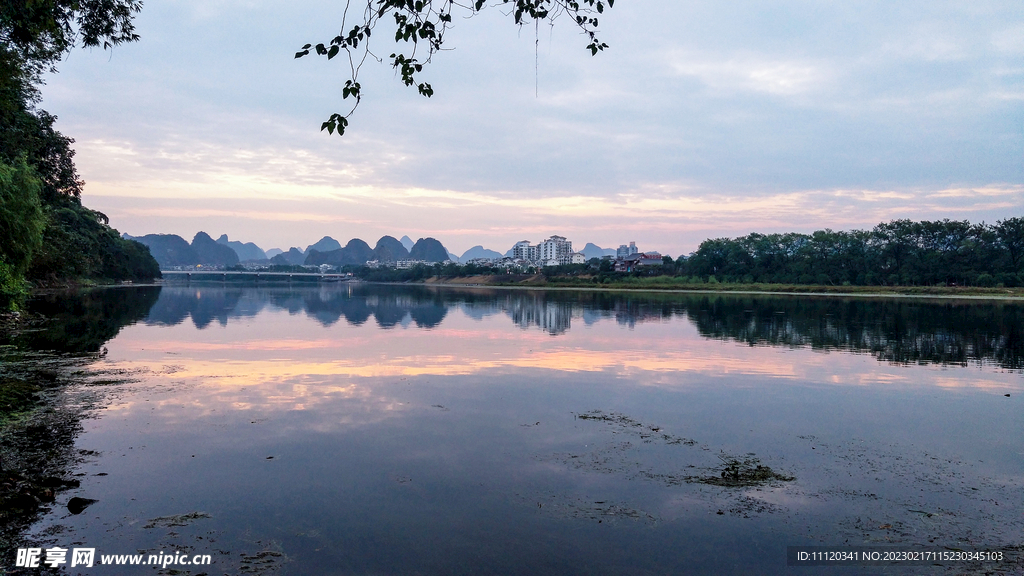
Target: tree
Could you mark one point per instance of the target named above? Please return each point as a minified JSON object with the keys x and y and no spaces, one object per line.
{"x":21,"y":227}
{"x":423,"y":24}
{"x":43,"y":31}
{"x":897,"y":242}
{"x":21,"y":216}
{"x":1011,"y":236}
{"x":47,"y":234}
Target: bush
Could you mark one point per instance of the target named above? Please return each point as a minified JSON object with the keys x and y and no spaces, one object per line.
{"x":12,"y":288}
{"x":1007,"y":279}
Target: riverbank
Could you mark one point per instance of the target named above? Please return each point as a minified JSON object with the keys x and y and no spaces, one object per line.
{"x":669,"y":284}
{"x":41,"y":409}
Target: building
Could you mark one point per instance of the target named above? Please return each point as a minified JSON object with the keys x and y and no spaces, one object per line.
{"x":638,"y":261}
{"x":577,"y":258}
{"x":484,"y":262}
{"x":524,"y":251}
{"x":555,"y":249}
{"x":624,"y":250}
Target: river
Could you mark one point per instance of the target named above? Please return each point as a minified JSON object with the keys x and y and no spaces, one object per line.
{"x":362,"y":429}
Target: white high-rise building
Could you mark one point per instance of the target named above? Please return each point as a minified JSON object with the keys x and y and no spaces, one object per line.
{"x":555,"y":250}
{"x":524,"y":251}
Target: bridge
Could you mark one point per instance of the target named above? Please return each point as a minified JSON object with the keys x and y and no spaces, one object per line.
{"x":254,"y":275}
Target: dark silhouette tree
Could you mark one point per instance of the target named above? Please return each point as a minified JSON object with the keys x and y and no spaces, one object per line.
{"x":421,"y":25}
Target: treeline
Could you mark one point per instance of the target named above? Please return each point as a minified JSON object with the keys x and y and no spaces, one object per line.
{"x":897,"y":253}
{"x":46,"y":235}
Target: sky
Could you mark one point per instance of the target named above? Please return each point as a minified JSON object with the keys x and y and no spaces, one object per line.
{"x":701,"y":120}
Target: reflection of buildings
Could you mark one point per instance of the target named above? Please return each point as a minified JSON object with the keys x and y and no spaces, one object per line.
{"x":554,"y":313}
{"x":892,"y":331}
{"x":553,"y":317}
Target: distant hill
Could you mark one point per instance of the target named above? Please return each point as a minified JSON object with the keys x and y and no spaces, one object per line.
{"x":274,"y":252}
{"x":355,"y":253}
{"x":325,"y":244}
{"x":407,"y":242}
{"x":169,"y":249}
{"x":479,"y":252}
{"x":211,"y":253}
{"x":428,"y":250}
{"x":390,"y":250}
{"x":452,"y":256}
{"x":246,"y":251}
{"x":293,"y":257}
{"x":595,"y":251}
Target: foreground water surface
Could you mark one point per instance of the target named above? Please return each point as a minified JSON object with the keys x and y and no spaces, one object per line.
{"x":358,"y":429}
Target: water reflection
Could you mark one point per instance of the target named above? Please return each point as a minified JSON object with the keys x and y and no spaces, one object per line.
{"x":82,"y":322}
{"x":42,"y":368}
{"x":531,"y":432}
{"x":902,"y":331}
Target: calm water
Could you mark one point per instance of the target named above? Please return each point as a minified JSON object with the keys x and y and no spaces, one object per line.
{"x":388,"y":430}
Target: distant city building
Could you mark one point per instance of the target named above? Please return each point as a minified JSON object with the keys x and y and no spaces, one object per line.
{"x":555,"y":249}
{"x":405,"y":264}
{"x":481,"y":262}
{"x":524,"y":251}
{"x":638,"y":261}
{"x":624,"y":250}
{"x":577,"y":258}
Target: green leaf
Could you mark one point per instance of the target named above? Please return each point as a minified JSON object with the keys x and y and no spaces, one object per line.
{"x":333,"y":52}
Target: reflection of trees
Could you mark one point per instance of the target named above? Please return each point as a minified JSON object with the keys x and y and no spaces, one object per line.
{"x":39,"y":423}
{"x":894,"y":330}
{"x":83,"y":322}
{"x":899,"y":331}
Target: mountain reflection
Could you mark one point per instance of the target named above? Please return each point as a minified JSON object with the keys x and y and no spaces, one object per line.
{"x":892,"y":330}
{"x":389,"y":306}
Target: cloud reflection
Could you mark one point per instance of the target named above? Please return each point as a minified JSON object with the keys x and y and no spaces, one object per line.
{"x":942,"y":332}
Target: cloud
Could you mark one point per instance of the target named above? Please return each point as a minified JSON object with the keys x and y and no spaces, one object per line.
{"x":753,"y":72}
{"x":671,"y":221}
{"x":700,"y":120}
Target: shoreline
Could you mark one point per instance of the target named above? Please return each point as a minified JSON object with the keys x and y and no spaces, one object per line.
{"x":812,"y":290}
{"x":816,"y":291}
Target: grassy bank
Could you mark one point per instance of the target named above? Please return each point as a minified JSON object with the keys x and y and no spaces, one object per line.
{"x":676,"y":284}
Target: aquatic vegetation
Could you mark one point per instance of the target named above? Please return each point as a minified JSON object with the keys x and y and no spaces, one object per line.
{"x":737,"y":473}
